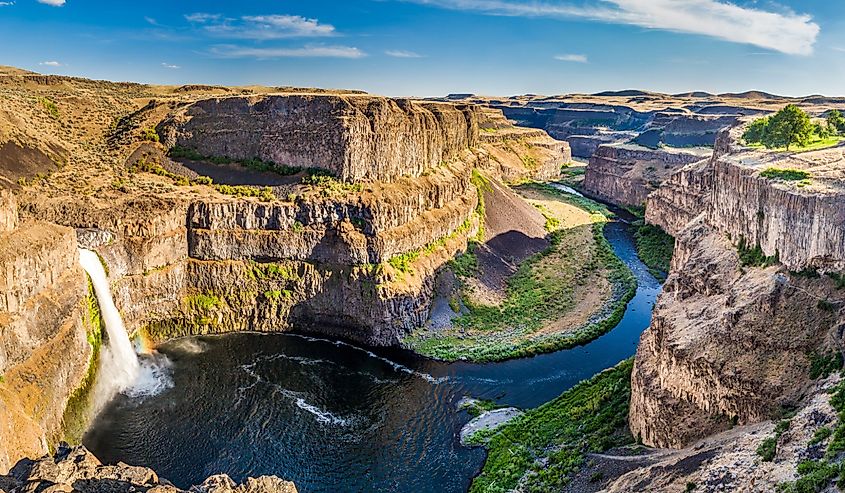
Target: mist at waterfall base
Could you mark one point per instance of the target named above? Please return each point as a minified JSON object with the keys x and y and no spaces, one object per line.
{"x":336,"y":418}
{"x":121,"y":369}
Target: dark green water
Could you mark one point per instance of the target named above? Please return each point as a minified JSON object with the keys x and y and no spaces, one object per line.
{"x":336,"y":418}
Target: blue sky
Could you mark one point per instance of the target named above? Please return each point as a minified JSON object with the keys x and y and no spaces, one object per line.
{"x":434,"y":47}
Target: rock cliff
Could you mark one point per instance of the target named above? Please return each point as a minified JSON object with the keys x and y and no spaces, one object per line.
{"x":76,"y":469}
{"x":355,"y":137}
{"x":44,"y":324}
{"x":625,"y":174}
{"x":730,"y":342}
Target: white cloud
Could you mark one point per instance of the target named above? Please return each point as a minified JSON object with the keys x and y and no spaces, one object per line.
{"x":572,"y":58}
{"x":54,"y":3}
{"x":402,"y":54}
{"x":51,"y":63}
{"x":6,"y":4}
{"x":168,"y":65}
{"x":786,"y":32}
{"x":262,"y":27}
{"x":312,"y":51}
{"x":201,"y":17}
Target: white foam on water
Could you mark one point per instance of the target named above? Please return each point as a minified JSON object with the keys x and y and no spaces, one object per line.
{"x":565,"y":189}
{"x":323,"y":416}
{"x":396,"y":366}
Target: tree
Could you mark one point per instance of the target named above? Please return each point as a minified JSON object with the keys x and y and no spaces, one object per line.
{"x":836,"y":121}
{"x":756,"y":132}
{"x":823,"y":130}
{"x":791,"y":125}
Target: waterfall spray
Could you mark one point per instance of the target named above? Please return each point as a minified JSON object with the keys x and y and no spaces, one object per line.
{"x":121,"y":369}
{"x":119,"y":366}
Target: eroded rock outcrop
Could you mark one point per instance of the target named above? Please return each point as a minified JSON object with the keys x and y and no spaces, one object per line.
{"x":355,"y":137}
{"x":625,"y":174}
{"x":77,"y":470}
{"x":730,"y":342}
{"x":44,"y":351}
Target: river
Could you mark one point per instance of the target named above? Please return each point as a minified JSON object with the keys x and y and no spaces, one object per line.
{"x":333,"y":417}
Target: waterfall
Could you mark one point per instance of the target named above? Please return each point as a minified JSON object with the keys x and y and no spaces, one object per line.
{"x":121,"y":369}
{"x":119,"y":365}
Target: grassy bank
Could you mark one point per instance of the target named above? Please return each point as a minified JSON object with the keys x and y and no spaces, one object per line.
{"x":546,"y":287}
{"x":654,"y":247}
{"x":541,"y":450}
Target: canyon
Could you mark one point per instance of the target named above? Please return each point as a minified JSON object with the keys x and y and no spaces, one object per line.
{"x":345,"y":215}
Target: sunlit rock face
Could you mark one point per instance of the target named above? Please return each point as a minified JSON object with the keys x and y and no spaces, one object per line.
{"x":355,"y":137}
{"x":76,"y":469}
{"x":731,"y":343}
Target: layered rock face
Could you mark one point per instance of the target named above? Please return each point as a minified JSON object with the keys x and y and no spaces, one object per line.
{"x":730,"y":343}
{"x":356,"y":261}
{"x":44,"y":352}
{"x":625,"y":174}
{"x":514,"y":153}
{"x":76,"y":469}
{"x":355,"y":137}
{"x":725,"y":344}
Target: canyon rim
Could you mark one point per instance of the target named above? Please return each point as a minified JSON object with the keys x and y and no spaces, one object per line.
{"x":215,"y":285}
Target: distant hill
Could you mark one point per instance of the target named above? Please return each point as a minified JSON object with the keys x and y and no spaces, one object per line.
{"x":751,"y":95}
{"x":694,"y":94}
{"x":628,"y":93}
{"x":7,"y":70}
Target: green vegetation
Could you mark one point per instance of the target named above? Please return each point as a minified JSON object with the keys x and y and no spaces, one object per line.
{"x":50,"y":106}
{"x":476,"y":407}
{"x":149,"y":135}
{"x":816,"y":475}
{"x":482,"y":185}
{"x":572,"y":175}
{"x":329,"y":186}
{"x":791,"y":126}
{"x":541,"y":450}
{"x":264,"y":194}
{"x":769,"y":447}
{"x":838,"y":278}
{"x":821,"y":435}
{"x":271,"y":271}
{"x":754,"y":257}
{"x":277,"y":295}
{"x":203,"y":301}
{"x":786,"y":174}
{"x":822,"y":365}
{"x":835,"y":122}
{"x":403,"y":262}
{"x":655,"y":247}
{"x":529,"y":162}
{"x":542,"y":290}
{"x":76,"y":414}
{"x":255,"y":163}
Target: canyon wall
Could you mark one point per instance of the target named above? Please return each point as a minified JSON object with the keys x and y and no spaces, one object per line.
{"x":625,"y":174}
{"x":355,"y":137}
{"x":731,"y":343}
{"x":44,"y":328}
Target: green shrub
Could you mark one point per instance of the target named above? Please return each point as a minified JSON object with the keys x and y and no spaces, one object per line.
{"x":768,"y":449}
{"x":203,"y":301}
{"x":51,"y":107}
{"x":821,"y":435}
{"x":265,"y":194}
{"x":149,"y":135}
{"x":785,"y":174}
{"x":754,"y":257}
{"x":541,"y":450}
{"x":655,"y":247}
{"x":822,"y":365}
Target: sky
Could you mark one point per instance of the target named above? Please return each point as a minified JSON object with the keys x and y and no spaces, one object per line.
{"x":437,"y":47}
